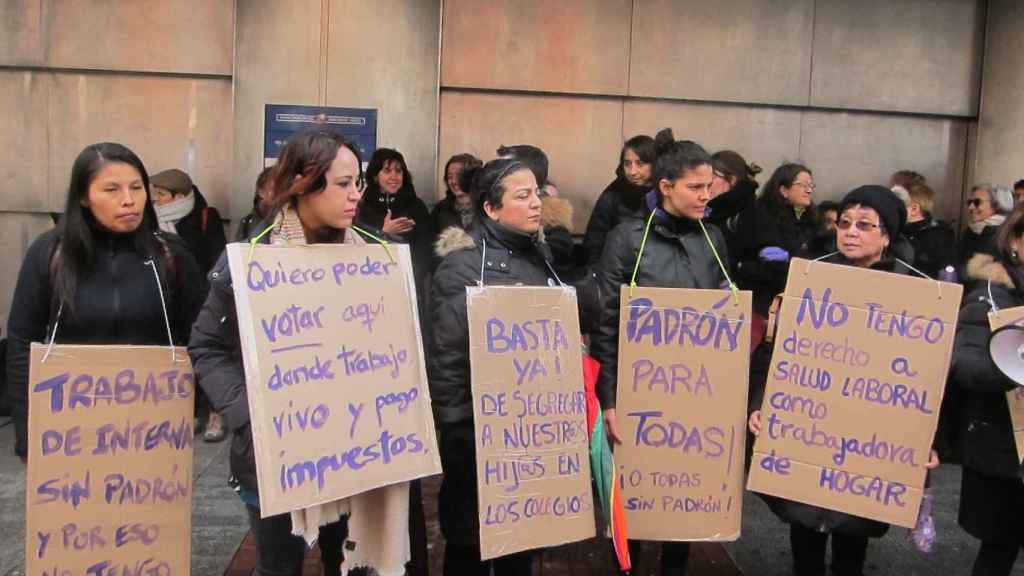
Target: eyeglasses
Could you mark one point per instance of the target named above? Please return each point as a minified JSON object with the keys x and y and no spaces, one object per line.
{"x":862,"y":225}
{"x":806,"y":185}
{"x":974,"y":202}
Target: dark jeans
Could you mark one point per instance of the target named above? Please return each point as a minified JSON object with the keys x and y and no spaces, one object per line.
{"x":278,"y":553}
{"x":849,"y":552}
{"x":996,"y":557}
{"x":675,"y":556}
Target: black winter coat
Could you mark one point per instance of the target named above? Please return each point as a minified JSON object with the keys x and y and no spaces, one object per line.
{"x":676,"y":255}
{"x":972,"y":243}
{"x":118,"y":303}
{"x":934,"y":245}
{"x":405,"y":204}
{"x":726,"y":209}
{"x":507,"y":259}
{"x":446,"y":214}
{"x":203,"y":232}
{"x":758,"y":228}
{"x":621,"y":201}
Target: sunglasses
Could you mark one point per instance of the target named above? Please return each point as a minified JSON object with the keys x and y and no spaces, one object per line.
{"x":862,"y":225}
{"x":974,"y":202}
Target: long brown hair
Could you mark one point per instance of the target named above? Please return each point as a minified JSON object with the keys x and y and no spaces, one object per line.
{"x":304,"y":162}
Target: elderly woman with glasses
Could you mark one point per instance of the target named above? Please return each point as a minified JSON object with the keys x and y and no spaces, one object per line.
{"x":987,"y":207}
{"x":868,"y":227}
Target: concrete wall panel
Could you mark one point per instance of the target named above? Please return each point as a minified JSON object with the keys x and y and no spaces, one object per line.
{"x":169,"y":122}
{"x":17,"y":231}
{"x":730,"y":50}
{"x":910,"y":56}
{"x":21,"y":32}
{"x":579,"y":46}
{"x":185,"y":36}
{"x":764,"y":136}
{"x":384,"y":55}
{"x":846,"y":150}
{"x":1000,"y":153}
{"x":23,"y":134}
{"x":277,"y":61}
{"x":581,"y":136}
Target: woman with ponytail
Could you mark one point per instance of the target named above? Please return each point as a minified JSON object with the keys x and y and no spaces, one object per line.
{"x":669,"y":248}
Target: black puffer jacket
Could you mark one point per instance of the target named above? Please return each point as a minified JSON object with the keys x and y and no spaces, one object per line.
{"x":405,"y":204}
{"x":987,"y":437}
{"x":507,"y":259}
{"x":676,"y":255}
{"x":203,"y":232}
{"x":119,"y":303}
{"x":759,"y":228}
{"x":621,"y":201}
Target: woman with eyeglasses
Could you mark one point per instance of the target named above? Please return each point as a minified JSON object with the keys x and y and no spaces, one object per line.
{"x":870,"y":221}
{"x":991,"y":490}
{"x":782,"y":224}
{"x":987,"y":207}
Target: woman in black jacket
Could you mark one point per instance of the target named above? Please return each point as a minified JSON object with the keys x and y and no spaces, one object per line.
{"x":391,"y":206}
{"x":991,"y":491}
{"x":503,"y":249}
{"x":782,"y":224}
{"x":676,"y":254}
{"x":623,"y":199}
{"x":457,"y":207}
{"x":103,"y":275}
{"x":317,"y":184}
{"x":733,"y":191}
{"x":987,"y":207}
{"x":182,"y":210}
{"x":869,"y":217}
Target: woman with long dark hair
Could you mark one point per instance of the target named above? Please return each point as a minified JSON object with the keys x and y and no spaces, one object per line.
{"x":457,"y":207}
{"x":317,"y":183}
{"x":733,"y":191}
{"x":105,"y":275}
{"x":623,"y":199}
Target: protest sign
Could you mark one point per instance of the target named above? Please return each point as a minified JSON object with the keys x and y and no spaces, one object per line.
{"x":109,"y":485}
{"x":1015,"y":397}
{"x":334,"y":371}
{"x":854,"y":388}
{"x":530,"y":414}
{"x":681,"y":407}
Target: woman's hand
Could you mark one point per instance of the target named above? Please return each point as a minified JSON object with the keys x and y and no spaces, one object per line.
{"x":611,"y":426}
{"x":933,"y":461}
{"x":754,"y":423}
{"x":397,"y":226}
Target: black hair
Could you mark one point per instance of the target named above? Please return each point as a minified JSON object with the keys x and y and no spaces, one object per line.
{"x":262,"y":181}
{"x":78,"y":227}
{"x":828,"y":205}
{"x":380,"y":158}
{"x":730,"y":163}
{"x":676,"y":157}
{"x":484,"y":183}
{"x":783,"y":177}
{"x":467,"y":160}
{"x":1018,"y":184}
{"x":534,"y":158}
{"x":643,"y":146}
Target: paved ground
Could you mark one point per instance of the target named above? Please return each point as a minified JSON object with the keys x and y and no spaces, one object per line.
{"x":219,"y":525}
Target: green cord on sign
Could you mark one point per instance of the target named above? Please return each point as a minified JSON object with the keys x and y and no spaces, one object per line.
{"x":643,"y":242}
{"x":382,"y":242}
{"x":732,"y":287}
{"x":256,"y":239}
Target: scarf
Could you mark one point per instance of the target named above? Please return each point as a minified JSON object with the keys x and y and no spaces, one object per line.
{"x":993,"y":220}
{"x":378,"y":524}
{"x":171,"y":213}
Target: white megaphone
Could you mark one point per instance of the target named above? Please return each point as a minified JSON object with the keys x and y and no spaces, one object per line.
{"x":1006,"y":346}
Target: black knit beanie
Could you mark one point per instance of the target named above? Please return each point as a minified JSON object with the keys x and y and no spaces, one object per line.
{"x":891,"y":210}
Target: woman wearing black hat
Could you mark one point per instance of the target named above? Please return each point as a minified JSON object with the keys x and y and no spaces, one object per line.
{"x":991,"y":491}
{"x":870,"y":218}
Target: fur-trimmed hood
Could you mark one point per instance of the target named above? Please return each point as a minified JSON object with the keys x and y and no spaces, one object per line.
{"x":451,"y":240}
{"x":556,"y":212}
{"x":984,"y":267}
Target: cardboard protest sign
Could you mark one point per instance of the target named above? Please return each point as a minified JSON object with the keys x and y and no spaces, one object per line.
{"x":1015,"y":397}
{"x":854,"y":388}
{"x":109,"y":486}
{"x":334,"y":371}
{"x":530,"y":412}
{"x":681,"y":407}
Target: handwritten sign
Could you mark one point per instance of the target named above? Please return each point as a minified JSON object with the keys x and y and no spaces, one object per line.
{"x":109,"y":486}
{"x":681,"y":407}
{"x":530,"y":412}
{"x":1015,"y":397}
{"x":854,"y":388}
{"x":334,"y":371}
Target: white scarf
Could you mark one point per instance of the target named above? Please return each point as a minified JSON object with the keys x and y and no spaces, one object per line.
{"x":171,"y":213}
{"x":378,"y":525}
{"x":993,"y":220}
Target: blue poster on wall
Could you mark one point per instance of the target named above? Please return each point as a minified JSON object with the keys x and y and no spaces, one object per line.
{"x":282,"y":120}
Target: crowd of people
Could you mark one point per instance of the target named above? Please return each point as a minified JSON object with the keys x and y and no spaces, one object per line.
{"x":140,"y":260}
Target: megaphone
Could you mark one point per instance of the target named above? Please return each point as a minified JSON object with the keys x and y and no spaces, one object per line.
{"x":1006,"y":346}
